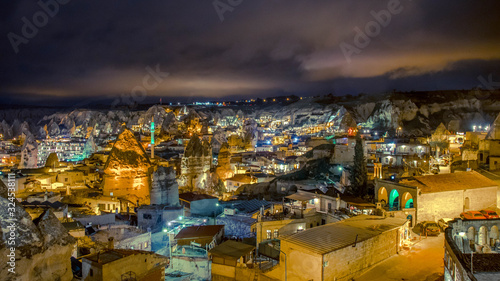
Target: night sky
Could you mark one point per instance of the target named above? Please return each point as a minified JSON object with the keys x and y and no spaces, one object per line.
{"x":91,"y":50}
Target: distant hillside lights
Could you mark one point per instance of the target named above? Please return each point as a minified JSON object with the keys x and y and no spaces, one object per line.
{"x":480,"y":128}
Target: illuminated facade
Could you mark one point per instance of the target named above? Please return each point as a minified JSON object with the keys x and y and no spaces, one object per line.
{"x":67,"y":150}
{"x":127,"y":173}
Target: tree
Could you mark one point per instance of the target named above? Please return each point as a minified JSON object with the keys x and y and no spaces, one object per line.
{"x":358,"y":176}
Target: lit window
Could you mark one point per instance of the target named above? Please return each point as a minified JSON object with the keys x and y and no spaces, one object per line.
{"x":276,"y":233}
{"x":269,"y":234}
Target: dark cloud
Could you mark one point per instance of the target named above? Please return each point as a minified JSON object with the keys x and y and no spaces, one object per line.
{"x":102,"y":48}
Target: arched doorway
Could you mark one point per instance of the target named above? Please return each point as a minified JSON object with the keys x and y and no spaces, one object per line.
{"x":410,"y":219}
{"x":394,"y":199}
{"x":407,"y":200}
{"x":471,"y":237}
{"x":482,"y":238}
{"x":494,"y":235}
{"x":382,"y":195}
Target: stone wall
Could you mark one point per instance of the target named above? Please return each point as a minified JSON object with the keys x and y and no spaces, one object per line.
{"x":301,"y":264}
{"x":140,"y":263}
{"x":200,"y":267}
{"x":104,"y":219}
{"x":348,"y":262}
{"x":449,"y":204}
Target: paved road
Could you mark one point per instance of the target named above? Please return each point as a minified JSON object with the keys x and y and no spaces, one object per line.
{"x":424,"y":262}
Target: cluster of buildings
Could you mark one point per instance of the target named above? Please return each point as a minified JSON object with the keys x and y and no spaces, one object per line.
{"x":241,"y":199}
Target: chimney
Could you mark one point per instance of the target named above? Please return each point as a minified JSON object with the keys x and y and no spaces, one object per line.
{"x":45,"y":196}
{"x":68,"y":190}
{"x":111,"y":243}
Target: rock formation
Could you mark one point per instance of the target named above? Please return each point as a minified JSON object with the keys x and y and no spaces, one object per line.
{"x":52,"y":161}
{"x":224,"y":163}
{"x":42,"y":247}
{"x":195,"y":165}
{"x":164,"y":187}
{"x":127,"y":172}
{"x":29,"y":153}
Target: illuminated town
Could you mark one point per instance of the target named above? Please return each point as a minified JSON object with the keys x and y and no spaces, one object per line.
{"x":258,"y":156}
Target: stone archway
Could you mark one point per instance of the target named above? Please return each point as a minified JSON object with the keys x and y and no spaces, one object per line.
{"x":407,"y":200}
{"x":394,"y":200}
{"x":471,"y":238}
{"x":382,"y":195}
{"x":482,"y":237}
{"x":494,"y":235}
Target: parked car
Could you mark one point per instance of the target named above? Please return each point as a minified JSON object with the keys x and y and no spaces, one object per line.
{"x":428,"y":228}
{"x":472,"y":215}
{"x":443,"y":223}
{"x":435,"y":169}
{"x":489,"y":214}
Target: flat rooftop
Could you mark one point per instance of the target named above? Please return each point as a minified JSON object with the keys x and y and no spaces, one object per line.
{"x":232,"y":249}
{"x":199,"y":231}
{"x":113,"y":255}
{"x":450,"y":182}
{"x":330,"y":237}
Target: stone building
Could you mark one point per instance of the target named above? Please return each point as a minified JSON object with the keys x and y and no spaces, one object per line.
{"x":438,"y":196}
{"x":207,"y":236}
{"x":489,"y":148}
{"x":164,"y":205}
{"x":115,"y":264}
{"x":230,"y":259}
{"x":341,"y":250}
{"x":199,"y":204}
{"x":127,"y":172}
{"x":195,"y":165}
{"x":123,"y":237}
{"x":472,"y":250}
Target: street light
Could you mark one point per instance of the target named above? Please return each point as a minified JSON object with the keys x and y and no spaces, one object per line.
{"x":216,"y":207}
